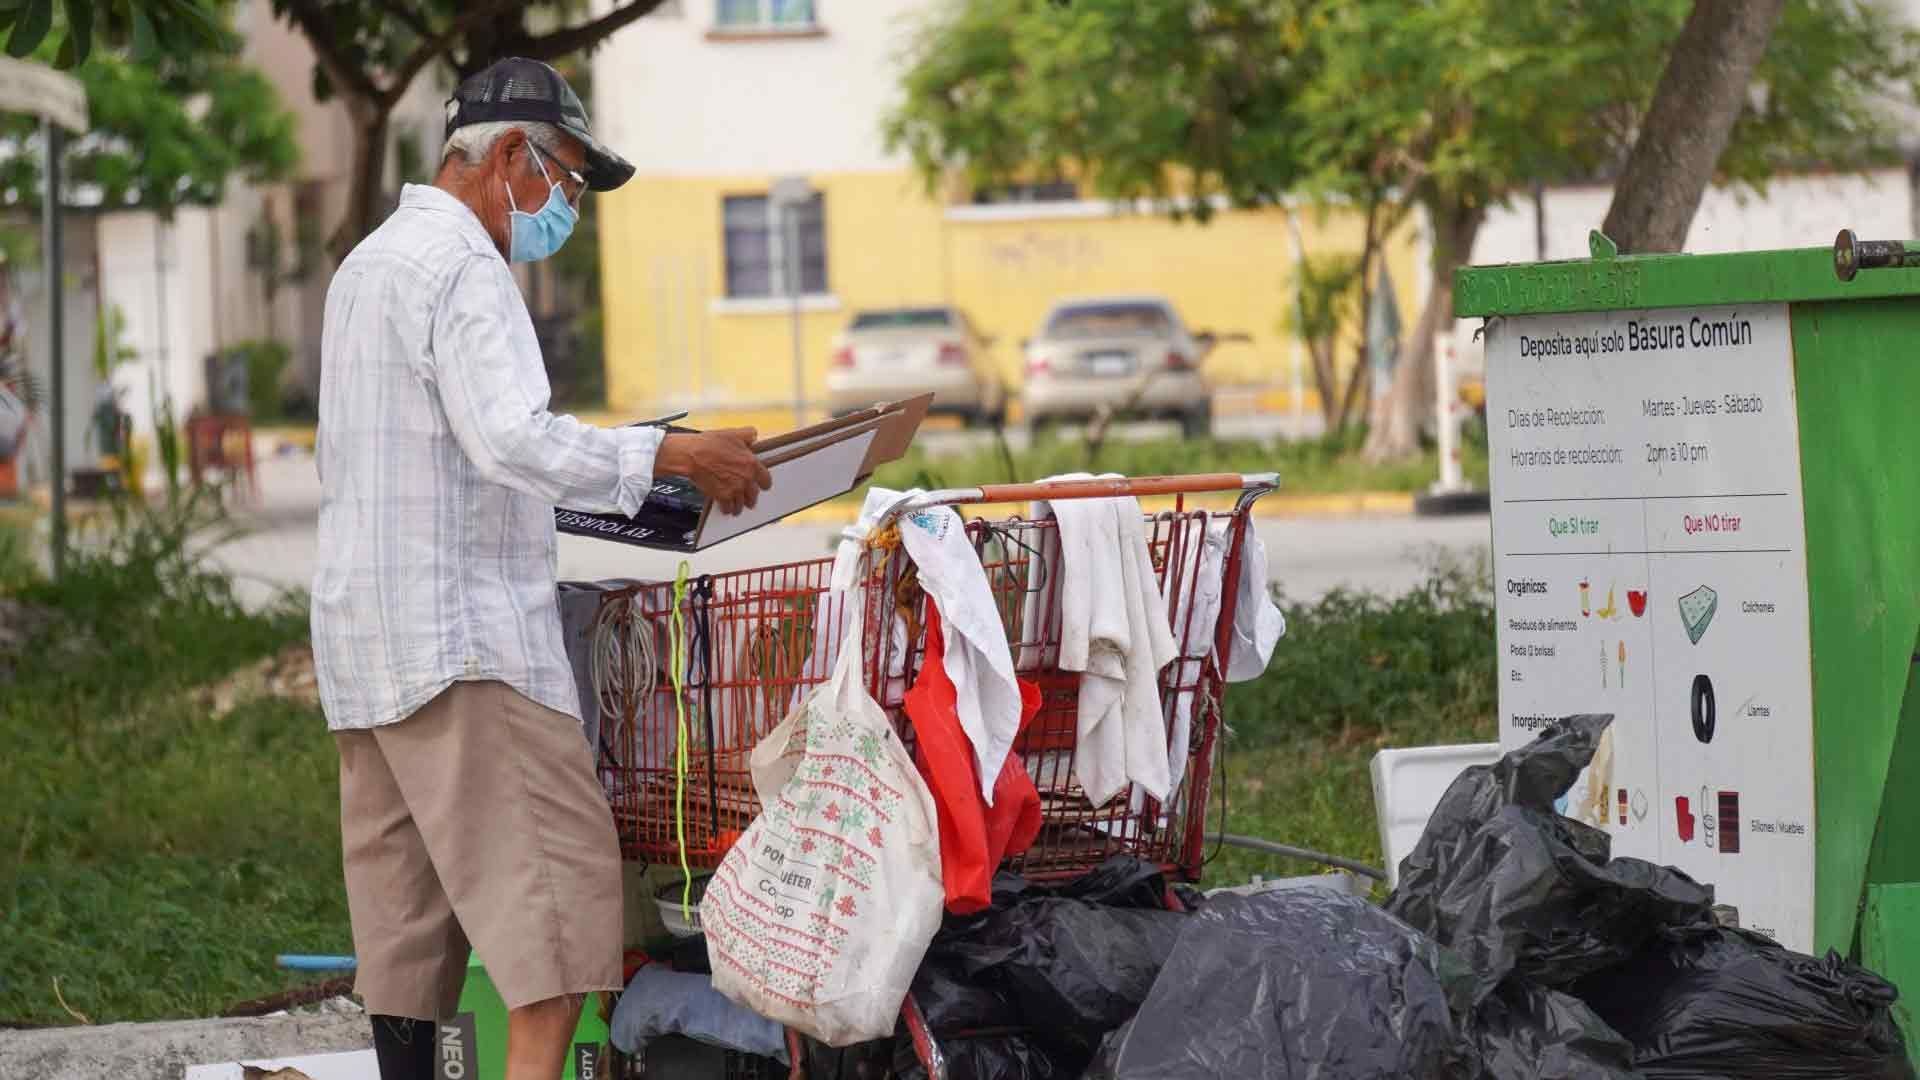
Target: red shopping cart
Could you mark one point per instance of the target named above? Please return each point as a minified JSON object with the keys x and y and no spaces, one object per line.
{"x":726,"y":655}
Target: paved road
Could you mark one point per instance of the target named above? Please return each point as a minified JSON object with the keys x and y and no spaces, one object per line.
{"x":1308,"y":556}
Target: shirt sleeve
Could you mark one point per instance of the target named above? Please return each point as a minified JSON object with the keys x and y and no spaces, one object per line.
{"x":487,"y":388}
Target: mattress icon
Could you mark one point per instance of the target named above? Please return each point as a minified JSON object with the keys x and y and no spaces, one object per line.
{"x":1696,"y":612}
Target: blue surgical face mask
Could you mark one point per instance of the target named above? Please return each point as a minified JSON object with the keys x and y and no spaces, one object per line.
{"x":532,"y":237}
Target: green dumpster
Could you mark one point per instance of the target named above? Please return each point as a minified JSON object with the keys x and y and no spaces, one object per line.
{"x":1706,"y":521}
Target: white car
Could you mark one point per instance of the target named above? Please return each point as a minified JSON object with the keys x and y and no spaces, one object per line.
{"x":1130,"y":355}
{"x":884,"y":355}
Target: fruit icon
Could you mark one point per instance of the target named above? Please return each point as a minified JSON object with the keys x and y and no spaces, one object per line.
{"x":1611,"y":610}
{"x":1637,"y":602}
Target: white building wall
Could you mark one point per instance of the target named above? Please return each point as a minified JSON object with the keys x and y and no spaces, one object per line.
{"x":679,"y":100}
{"x":160,"y":276}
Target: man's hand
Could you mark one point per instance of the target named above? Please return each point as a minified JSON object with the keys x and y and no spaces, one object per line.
{"x":721,"y":464}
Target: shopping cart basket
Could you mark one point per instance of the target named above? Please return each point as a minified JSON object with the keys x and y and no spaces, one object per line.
{"x":728,"y":654}
{"x":749,"y":643}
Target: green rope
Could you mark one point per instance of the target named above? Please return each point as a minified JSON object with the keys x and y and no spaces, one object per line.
{"x":677,"y":644}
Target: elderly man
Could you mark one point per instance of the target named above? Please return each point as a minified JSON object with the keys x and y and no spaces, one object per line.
{"x":469,"y":810}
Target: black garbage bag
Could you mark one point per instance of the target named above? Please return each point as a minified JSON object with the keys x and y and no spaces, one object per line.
{"x":1706,"y":1002}
{"x":1121,"y":881}
{"x":1074,"y":970}
{"x":1026,"y":989}
{"x":986,"y":1056}
{"x":983,"y":1035}
{"x":1296,"y":983}
{"x":1527,"y":1032}
{"x":1515,"y":888}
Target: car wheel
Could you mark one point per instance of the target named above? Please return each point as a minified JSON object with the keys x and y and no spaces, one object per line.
{"x":1197,"y":422}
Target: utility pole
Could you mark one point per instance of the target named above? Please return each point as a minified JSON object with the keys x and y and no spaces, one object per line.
{"x":790,"y":194}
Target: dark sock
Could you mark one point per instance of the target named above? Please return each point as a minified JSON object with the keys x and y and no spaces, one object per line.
{"x":403,"y":1047}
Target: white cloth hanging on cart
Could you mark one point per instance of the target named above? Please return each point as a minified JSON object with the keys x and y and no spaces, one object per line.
{"x":1258,"y":626}
{"x":1114,"y":630}
{"x":977,"y":658}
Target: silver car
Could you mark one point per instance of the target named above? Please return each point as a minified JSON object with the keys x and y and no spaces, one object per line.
{"x":892,"y":353}
{"x":1129,"y":355}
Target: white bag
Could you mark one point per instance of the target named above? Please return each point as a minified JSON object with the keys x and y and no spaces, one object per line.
{"x":819,"y":916}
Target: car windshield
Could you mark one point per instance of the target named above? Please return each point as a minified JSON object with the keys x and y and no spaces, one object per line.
{"x":903,"y":319}
{"x":1109,"y":320}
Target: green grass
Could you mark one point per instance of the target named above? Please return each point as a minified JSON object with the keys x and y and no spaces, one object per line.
{"x":1355,"y":674}
{"x":156,"y":859}
{"x":1313,"y":466}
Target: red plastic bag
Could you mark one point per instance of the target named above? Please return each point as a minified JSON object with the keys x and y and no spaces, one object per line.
{"x":974,"y":837}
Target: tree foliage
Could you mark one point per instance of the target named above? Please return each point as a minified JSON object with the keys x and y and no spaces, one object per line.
{"x":167,"y":131}
{"x":1451,"y":106}
{"x":368,"y":52}
{"x":150,"y":28}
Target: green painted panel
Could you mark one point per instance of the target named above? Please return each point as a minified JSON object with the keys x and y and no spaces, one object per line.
{"x":1857,"y":382}
{"x":1896,"y":844}
{"x":1649,"y":281}
{"x":1890,"y":947}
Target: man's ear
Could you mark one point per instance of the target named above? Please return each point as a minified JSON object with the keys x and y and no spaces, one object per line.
{"x":510,"y":149}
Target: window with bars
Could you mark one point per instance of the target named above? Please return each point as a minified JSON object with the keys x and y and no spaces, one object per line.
{"x":763,"y":14}
{"x":757,"y":241}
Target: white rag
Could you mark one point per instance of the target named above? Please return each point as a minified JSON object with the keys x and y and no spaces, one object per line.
{"x":1257,"y":623}
{"x":1114,"y":630}
{"x":977,"y":658}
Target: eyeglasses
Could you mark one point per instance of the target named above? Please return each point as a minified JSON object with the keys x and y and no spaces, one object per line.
{"x":567,"y":175}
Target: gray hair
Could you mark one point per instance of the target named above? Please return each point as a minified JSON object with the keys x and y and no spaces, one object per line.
{"x":474,"y":140}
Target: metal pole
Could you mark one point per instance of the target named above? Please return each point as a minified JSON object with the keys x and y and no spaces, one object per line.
{"x":56,"y":331}
{"x":1450,"y":476}
{"x":792,"y":212}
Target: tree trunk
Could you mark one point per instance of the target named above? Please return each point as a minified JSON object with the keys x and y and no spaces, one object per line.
{"x":1327,"y":381}
{"x":366,"y":181}
{"x":1409,"y":399}
{"x":1687,"y":127}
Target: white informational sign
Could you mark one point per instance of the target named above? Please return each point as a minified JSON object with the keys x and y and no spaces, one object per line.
{"x":1649,"y":561}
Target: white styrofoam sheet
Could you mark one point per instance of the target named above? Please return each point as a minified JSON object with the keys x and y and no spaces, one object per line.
{"x":1407,"y":785}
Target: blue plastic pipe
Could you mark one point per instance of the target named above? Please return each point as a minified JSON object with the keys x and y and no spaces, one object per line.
{"x":302,"y":962}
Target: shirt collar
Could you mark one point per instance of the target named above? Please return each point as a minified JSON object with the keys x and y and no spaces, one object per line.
{"x":430,"y":198}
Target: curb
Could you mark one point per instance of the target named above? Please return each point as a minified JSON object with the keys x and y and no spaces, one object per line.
{"x":1453,"y":503}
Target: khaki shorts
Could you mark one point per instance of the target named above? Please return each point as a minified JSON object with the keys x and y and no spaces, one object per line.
{"x":478,"y":820}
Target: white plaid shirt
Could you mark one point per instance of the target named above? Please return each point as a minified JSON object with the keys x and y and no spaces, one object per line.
{"x":439,"y":470}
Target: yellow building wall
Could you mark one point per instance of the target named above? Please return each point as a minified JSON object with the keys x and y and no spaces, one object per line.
{"x":671,"y":341}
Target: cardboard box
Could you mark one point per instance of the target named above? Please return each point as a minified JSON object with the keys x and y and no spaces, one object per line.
{"x":809,"y":466}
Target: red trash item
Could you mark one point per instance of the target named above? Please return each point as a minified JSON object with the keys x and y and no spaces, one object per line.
{"x":974,"y":837}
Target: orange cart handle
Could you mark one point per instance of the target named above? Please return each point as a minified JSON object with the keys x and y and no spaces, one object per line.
{"x":1116,"y":487}
{"x":1250,"y":487}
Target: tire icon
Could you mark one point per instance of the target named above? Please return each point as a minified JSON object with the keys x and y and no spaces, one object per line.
{"x":1703,"y":712}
